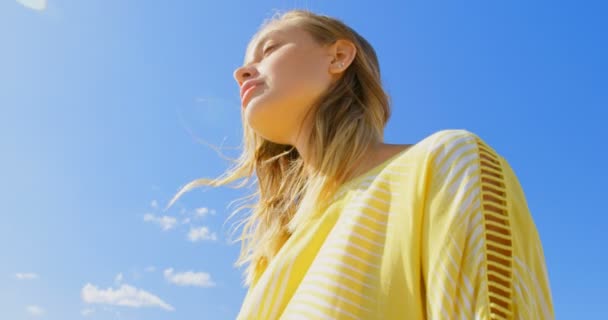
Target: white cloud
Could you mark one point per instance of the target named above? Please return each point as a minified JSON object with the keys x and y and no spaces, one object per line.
{"x":35,"y":310}
{"x":118,"y":279}
{"x":186,"y":221}
{"x":39,"y":5}
{"x":150,"y":269}
{"x":87,"y":312}
{"x":154,"y":204}
{"x":165,"y":222}
{"x":203,"y":212}
{"x":202,"y":233}
{"x":126,"y":295}
{"x":189,"y":278}
{"x":26,"y":276}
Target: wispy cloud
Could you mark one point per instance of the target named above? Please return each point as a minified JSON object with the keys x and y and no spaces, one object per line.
{"x":189,"y":278}
{"x":126,"y":295}
{"x":26,"y":276}
{"x":200,"y":234}
{"x":195,"y":234}
{"x":34,"y":310}
{"x":39,"y":5}
{"x":165,"y":222}
{"x":87,"y":312}
{"x":118,"y":279}
{"x":203,"y":212}
{"x":135,"y":274}
{"x":150,"y":269}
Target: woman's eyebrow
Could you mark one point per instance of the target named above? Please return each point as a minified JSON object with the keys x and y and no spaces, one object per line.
{"x":265,"y":38}
{"x":261,"y":41}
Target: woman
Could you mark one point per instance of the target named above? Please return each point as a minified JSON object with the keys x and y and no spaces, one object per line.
{"x":349,"y":227}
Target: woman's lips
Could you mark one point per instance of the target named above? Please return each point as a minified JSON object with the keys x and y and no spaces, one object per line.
{"x":248,"y":93}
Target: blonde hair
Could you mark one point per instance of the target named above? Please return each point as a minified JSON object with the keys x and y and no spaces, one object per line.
{"x":348,"y":118}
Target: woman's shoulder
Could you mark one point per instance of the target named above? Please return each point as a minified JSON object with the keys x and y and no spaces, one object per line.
{"x":430,"y":147}
{"x":454,"y":141}
{"x":453,"y":150}
{"x":447,"y":137}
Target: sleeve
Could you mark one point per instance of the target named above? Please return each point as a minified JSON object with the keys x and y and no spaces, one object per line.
{"x":481,"y":256}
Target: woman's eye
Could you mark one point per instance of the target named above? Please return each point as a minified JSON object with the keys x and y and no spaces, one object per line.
{"x":268,"y":49}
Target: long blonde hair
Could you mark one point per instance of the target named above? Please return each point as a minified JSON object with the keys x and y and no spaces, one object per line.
{"x":348,"y":118}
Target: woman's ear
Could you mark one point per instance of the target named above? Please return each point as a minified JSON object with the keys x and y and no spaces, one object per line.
{"x":343,"y":53}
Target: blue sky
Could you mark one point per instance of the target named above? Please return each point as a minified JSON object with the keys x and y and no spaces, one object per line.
{"x":103,"y":105}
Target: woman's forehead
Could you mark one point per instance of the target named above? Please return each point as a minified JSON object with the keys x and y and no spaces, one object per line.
{"x":266,"y":34}
{"x":275,"y":30}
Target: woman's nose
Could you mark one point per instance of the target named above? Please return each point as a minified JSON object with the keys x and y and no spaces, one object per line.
{"x":243,"y":73}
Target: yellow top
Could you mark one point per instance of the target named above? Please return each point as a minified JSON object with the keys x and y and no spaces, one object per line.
{"x":441,"y":230}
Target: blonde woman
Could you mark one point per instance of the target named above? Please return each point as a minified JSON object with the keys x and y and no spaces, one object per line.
{"x":345,"y":226}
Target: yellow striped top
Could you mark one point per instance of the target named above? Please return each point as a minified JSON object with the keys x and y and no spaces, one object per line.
{"x":440,"y":230}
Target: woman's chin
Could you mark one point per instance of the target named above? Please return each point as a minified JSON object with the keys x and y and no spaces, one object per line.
{"x":255,"y":104}
{"x":251,"y":113}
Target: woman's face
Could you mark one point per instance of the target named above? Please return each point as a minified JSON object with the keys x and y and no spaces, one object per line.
{"x":291,"y":71}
